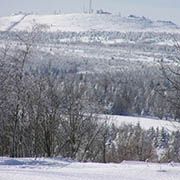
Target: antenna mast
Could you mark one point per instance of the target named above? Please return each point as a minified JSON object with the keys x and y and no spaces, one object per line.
{"x":90,"y":7}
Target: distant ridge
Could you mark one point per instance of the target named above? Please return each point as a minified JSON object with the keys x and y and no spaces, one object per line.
{"x":86,"y":22}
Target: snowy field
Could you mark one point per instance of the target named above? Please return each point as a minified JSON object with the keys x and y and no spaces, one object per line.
{"x":145,"y":123}
{"x":49,"y":169}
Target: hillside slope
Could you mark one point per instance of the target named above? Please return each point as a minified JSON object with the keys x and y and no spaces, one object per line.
{"x":106,"y":42}
{"x":88,"y":22}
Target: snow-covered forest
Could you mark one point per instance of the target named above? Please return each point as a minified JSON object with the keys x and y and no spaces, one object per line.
{"x":51,"y":98}
{"x":72,"y":93}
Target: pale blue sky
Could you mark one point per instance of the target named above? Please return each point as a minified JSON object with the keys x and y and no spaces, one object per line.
{"x":155,"y":9}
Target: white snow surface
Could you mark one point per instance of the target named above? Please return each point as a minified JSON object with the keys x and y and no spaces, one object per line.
{"x":7,"y":22}
{"x":145,"y":123}
{"x":88,"y":22}
{"x":56,"y":169}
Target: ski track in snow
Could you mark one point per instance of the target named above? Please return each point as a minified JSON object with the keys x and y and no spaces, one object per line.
{"x":10,"y":28}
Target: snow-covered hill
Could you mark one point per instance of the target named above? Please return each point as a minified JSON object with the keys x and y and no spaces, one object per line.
{"x":87,"y":22}
{"x":54,"y":169}
{"x":106,"y":42}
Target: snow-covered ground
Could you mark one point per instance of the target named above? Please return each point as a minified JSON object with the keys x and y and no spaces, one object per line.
{"x":145,"y":123}
{"x":54,"y":169}
{"x":89,"y":22}
{"x":7,"y":22}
